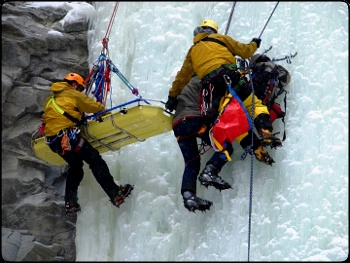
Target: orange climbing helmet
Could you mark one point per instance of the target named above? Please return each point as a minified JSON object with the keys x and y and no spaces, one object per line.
{"x":210,"y":23}
{"x":75,"y":77}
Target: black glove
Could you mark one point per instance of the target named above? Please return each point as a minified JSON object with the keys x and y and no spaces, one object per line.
{"x":257,"y":41}
{"x":99,"y":118}
{"x":263,"y":125}
{"x":171,"y":103}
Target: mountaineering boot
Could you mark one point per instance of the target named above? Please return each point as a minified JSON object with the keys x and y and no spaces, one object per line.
{"x":263,"y":156}
{"x":124,"y":191}
{"x":272,"y":141}
{"x":193,"y":203}
{"x":72,"y":208}
{"x":71,"y":203}
{"x":209,"y":176}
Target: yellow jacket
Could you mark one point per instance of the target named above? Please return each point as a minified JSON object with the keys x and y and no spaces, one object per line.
{"x":205,"y":56}
{"x":74,"y":102}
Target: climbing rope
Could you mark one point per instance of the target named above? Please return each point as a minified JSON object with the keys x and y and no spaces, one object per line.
{"x":99,"y":76}
{"x":252,"y":167}
{"x":108,"y":31}
{"x":252,"y":145}
{"x":268,"y":20}
{"x":230,"y":17}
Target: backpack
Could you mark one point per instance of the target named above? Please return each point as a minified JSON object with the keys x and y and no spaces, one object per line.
{"x":269,"y":82}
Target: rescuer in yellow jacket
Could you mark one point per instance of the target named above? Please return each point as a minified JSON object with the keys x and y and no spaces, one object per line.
{"x":212,"y":59}
{"x":62,"y":114}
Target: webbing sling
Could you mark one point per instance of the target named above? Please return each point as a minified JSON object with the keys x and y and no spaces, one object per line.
{"x":213,"y":40}
{"x":70,"y":117}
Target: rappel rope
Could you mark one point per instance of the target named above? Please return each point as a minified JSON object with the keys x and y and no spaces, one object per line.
{"x":99,"y":76}
{"x":268,"y":20}
{"x":108,"y":31}
{"x":251,"y":168}
{"x":251,"y":148}
{"x":230,"y":17}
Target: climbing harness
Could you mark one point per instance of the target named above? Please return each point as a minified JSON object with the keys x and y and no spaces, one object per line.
{"x":233,"y":120}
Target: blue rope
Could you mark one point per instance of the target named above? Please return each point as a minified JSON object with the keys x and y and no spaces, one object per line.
{"x":251,"y":169}
{"x":126,"y":82}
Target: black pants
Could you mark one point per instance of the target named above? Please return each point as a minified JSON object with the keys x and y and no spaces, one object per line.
{"x":187,"y":130}
{"x":81,"y":150}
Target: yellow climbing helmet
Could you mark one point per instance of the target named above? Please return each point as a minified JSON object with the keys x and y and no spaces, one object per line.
{"x":76,"y":77}
{"x":210,"y":23}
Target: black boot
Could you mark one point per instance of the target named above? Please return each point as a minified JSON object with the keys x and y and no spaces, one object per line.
{"x":71,"y":203}
{"x":193,"y":203}
{"x":263,"y":156}
{"x":124,"y":192}
{"x":209,"y":176}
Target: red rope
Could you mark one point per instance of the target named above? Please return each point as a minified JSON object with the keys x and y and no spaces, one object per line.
{"x":111,"y":21}
{"x":99,"y":75}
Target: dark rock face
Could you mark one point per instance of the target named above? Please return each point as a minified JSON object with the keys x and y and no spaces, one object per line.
{"x":37,"y":49}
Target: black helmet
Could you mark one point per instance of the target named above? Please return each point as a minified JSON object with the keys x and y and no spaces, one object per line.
{"x":259,"y":58}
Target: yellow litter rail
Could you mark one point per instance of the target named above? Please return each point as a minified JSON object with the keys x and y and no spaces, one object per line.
{"x":117,"y":129}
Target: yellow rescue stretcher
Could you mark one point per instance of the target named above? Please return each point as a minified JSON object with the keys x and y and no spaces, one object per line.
{"x":118,"y":129}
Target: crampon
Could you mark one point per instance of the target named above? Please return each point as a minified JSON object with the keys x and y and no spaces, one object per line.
{"x":193,"y":203}
{"x":124,"y":192}
{"x":263,"y":156}
{"x":272,"y":141}
{"x":209,"y":176}
{"x":72,"y":208}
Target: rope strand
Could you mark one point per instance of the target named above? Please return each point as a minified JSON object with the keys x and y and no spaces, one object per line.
{"x":111,"y":21}
{"x":230,"y":17}
{"x":268,"y":19}
{"x":251,"y":168}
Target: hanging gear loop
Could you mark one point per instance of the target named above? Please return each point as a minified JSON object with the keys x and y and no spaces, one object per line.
{"x":268,"y":20}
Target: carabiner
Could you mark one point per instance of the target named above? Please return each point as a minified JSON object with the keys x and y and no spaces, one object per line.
{"x":227,"y":79}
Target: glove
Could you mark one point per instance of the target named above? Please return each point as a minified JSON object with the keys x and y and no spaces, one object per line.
{"x":263,"y":156}
{"x":265,"y":133}
{"x":171,"y":103}
{"x":257,"y":41}
{"x":263,"y":125}
{"x":99,"y":118}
